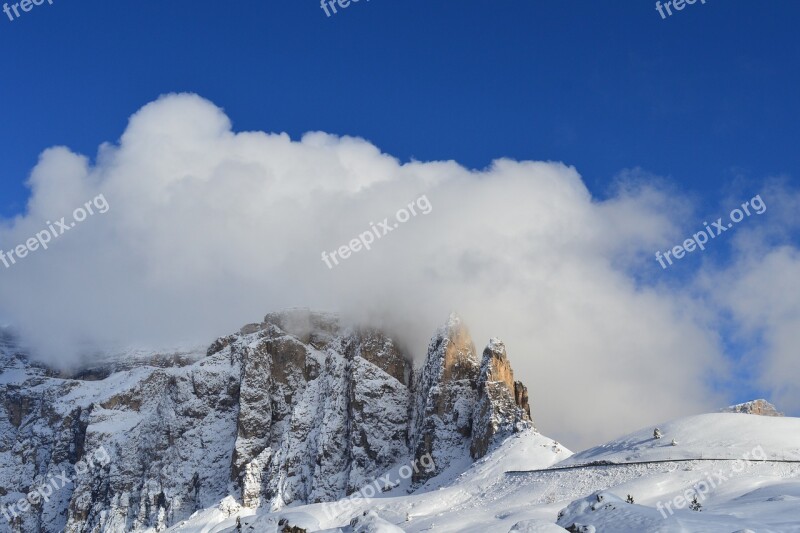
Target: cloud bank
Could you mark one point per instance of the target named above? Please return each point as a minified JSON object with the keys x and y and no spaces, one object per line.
{"x":209,"y":229}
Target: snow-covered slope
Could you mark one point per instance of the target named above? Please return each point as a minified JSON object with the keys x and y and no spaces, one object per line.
{"x":710,"y":436}
{"x":530,"y":483}
{"x":462,"y":495}
{"x":741,"y":471}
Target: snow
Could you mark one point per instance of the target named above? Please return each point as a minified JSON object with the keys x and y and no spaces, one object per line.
{"x":525,"y":484}
{"x":536,"y":526}
{"x":709,"y":436}
{"x":453,"y":493}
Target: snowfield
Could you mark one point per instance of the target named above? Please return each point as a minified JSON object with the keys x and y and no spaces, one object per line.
{"x":711,"y":436}
{"x":744,"y":469}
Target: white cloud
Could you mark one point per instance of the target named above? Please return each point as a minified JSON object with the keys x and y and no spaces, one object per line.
{"x":210,"y":229}
{"x":761,"y":293}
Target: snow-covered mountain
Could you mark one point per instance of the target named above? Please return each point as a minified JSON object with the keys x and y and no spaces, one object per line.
{"x":300,"y":424}
{"x":293,"y":410}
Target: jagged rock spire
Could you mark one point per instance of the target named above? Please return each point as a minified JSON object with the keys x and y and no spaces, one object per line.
{"x":460,"y":398}
{"x":502,"y":405}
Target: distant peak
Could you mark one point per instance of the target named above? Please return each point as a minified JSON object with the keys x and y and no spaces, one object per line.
{"x":754,"y":407}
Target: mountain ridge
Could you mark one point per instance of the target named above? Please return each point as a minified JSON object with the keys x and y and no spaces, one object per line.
{"x":295,"y":409}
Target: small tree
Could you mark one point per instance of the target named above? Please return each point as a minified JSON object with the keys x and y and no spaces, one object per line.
{"x":657,"y":434}
{"x":674,"y":442}
{"x":695,"y":505}
{"x":630,"y":499}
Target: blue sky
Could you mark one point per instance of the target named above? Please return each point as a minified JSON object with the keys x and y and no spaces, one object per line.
{"x":703,"y":97}
{"x":701,"y":106}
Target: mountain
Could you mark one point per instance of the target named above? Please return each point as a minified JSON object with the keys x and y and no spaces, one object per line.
{"x":295,"y":409}
{"x":299,"y":423}
{"x":755,"y":407}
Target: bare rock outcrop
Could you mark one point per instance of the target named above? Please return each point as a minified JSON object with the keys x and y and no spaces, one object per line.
{"x":502,"y":407}
{"x":445,"y":393}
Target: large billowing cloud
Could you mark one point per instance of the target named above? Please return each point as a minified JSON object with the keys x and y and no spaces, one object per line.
{"x":207,"y":230}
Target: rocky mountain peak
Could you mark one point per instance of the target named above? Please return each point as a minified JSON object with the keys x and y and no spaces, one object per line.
{"x":462,"y":400}
{"x":298,"y":408}
{"x":495,"y":366}
{"x":457,"y":351}
{"x":502,"y":406}
{"x":754,"y":407}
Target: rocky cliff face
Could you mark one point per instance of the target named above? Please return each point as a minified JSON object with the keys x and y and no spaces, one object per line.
{"x":462,"y":400}
{"x":293,"y":409}
{"x":502,"y":402}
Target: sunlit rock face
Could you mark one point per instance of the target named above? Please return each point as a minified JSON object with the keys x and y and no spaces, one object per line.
{"x":755,"y":407}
